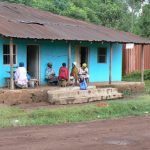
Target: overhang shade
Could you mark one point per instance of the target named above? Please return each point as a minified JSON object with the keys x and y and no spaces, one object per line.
{"x":20,"y":21}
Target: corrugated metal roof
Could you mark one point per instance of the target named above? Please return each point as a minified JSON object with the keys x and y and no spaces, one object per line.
{"x":25,"y":22}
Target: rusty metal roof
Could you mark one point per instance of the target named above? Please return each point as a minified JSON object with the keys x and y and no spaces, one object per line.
{"x":25,"y":22}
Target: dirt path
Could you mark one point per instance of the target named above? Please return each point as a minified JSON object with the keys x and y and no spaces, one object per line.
{"x":123,"y":134}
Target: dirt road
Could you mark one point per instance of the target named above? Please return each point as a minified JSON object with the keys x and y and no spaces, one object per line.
{"x":122,"y":134}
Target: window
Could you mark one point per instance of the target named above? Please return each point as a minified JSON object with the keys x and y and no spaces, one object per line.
{"x":6,"y":54}
{"x":102,"y":53}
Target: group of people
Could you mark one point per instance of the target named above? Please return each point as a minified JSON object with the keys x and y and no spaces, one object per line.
{"x":21,"y":77}
{"x":51,"y":76}
{"x":76,"y":75}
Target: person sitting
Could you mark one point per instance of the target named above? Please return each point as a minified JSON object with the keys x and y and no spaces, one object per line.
{"x":63,"y":75}
{"x":21,"y":80}
{"x":74,"y":72}
{"x":50,"y":74}
{"x":83,"y":73}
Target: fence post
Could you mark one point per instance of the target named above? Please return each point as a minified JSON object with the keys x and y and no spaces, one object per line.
{"x":142,"y":63}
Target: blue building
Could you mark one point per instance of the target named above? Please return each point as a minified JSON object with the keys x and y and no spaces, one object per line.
{"x":40,"y":37}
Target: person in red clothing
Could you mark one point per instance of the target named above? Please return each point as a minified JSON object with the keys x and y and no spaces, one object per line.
{"x":63,"y":75}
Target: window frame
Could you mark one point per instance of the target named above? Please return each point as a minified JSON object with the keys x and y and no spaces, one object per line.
{"x":9,"y":54}
{"x":98,"y":55}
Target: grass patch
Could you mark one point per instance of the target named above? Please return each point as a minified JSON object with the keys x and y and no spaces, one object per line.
{"x":147,"y":86}
{"x":13,"y":116}
{"x":133,"y":77}
{"x":136,"y":76}
{"x":130,"y":106}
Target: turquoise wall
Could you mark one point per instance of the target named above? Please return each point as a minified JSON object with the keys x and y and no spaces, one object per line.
{"x":100,"y":71}
{"x":21,"y":57}
{"x":56,"y":52}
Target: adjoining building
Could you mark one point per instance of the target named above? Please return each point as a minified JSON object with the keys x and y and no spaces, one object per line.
{"x":132,"y":59}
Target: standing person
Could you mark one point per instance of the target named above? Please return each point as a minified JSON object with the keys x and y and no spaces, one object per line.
{"x":83,"y":73}
{"x":74,"y":72}
{"x":63,"y":75}
{"x":50,"y":74}
{"x":21,"y":80}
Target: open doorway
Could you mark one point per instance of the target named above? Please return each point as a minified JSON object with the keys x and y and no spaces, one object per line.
{"x":33,"y":61}
{"x":83,"y":55}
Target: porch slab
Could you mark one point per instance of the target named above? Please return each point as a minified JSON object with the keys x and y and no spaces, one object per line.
{"x":24,"y":96}
{"x":77,"y":96}
{"x":122,"y":86}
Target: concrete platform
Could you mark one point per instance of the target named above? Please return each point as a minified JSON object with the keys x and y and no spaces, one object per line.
{"x":77,"y":96}
{"x":39,"y":94}
{"x":122,"y":86}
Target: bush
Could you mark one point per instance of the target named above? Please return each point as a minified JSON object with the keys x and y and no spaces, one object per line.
{"x":136,"y":76}
{"x":147,"y":75}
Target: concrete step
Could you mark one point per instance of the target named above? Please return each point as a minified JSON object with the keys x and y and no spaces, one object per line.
{"x":74,"y":95}
{"x":66,"y":92}
{"x":80,"y":100}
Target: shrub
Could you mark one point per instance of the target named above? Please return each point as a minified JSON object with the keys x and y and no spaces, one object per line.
{"x":136,"y":76}
{"x":147,"y":75}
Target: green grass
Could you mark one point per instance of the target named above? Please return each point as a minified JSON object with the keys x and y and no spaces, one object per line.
{"x":136,"y":76}
{"x":48,"y":116}
{"x":147,"y":86}
{"x":133,"y":77}
{"x":130,"y":106}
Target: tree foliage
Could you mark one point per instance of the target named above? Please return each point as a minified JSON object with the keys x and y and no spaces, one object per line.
{"x":144,"y":22}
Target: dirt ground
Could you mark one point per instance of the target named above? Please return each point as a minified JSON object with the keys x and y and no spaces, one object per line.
{"x":131,"y":133}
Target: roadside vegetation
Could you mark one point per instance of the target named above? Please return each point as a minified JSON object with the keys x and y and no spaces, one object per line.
{"x":131,"y":105}
{"x":136,"y":77}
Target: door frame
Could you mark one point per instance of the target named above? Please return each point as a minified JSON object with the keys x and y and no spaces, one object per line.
{"x":78,"y":52}
{"x":39,"y":61}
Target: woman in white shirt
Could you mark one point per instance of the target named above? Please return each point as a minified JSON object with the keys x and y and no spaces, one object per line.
{"x":21,"y":80}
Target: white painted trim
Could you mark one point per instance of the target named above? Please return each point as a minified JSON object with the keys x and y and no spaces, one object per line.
{"x":77,"y":55}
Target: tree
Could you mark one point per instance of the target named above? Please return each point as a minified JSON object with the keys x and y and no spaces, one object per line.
{"x":134,"y":6}
{"x":144,"y":22}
